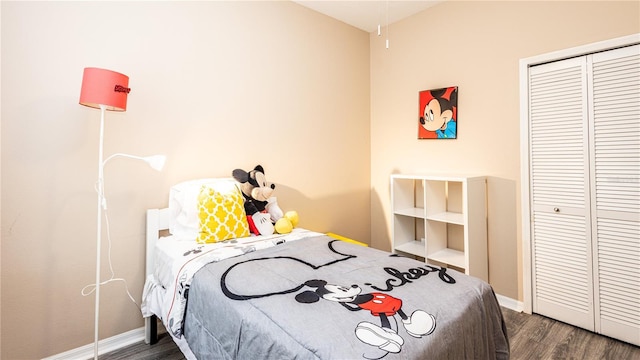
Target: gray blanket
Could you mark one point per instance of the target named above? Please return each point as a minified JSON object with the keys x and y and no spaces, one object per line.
{"x":321,"y":298}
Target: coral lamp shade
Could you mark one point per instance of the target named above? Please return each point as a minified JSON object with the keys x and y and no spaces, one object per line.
{"x":104,"y":87}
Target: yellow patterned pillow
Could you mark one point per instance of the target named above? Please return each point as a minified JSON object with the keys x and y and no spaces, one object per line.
{"x":221,"y":213}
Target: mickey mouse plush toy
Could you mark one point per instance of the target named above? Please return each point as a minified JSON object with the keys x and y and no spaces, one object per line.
{"x":256,"y":191}
{"x":255,"y":188}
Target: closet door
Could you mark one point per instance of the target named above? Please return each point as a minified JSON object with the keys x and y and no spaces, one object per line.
{"x":615,"y":134}
{"x":562,"y":285}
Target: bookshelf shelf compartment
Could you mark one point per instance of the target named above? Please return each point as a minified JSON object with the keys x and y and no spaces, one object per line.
{"x":442,"y":219}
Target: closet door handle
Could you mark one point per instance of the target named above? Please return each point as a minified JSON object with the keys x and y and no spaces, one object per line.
{"x":556,"y":210}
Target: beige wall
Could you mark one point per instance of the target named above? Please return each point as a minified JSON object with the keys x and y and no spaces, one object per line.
{"x":475,"y":45}
{"x":215,"y":86}
{"x":0,"y":201}
{"x":324,"y":107}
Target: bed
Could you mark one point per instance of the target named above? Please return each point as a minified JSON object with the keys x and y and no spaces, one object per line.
{"x":306,"y":295}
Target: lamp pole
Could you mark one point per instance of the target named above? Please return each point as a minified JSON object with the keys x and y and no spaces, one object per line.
{"x":99,"y":234}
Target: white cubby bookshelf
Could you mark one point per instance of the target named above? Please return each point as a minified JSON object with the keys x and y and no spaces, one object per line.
{"x":441,"y":219}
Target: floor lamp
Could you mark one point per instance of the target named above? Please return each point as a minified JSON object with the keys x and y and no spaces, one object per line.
{"x":106,"y":90}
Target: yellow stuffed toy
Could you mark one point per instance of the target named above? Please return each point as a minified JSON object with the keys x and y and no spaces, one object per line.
{"x":285,"y":224}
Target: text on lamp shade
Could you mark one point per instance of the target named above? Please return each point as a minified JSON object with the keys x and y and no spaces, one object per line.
{"x":120,"y":88}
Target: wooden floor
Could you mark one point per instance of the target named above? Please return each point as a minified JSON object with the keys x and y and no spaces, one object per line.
{"x":530,"y":336}
{"x":538,"y":337}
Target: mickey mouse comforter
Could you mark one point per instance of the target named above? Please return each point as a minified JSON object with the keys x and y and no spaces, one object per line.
{"x":319,"y":298}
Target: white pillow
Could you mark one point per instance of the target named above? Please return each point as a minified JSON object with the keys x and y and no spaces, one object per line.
{"x":183,"y":206}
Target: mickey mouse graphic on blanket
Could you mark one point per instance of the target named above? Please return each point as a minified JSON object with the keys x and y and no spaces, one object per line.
{"x":381,"y":305}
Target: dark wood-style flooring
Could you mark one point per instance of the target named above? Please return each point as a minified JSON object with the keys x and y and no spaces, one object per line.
{"x":530,"y":336}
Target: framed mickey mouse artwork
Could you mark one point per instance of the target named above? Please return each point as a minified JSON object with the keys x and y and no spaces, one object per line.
{"x":438,"y":113}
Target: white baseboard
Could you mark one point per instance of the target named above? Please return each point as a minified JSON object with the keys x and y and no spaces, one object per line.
{"x":510,"y":303}
{"x":104,"y":346}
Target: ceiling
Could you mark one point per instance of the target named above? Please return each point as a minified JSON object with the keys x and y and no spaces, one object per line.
{"x":367,"y":15}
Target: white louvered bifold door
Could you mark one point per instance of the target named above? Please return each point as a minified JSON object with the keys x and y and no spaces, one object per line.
{"x":559,"y":179}
{"x":614,"y":86}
